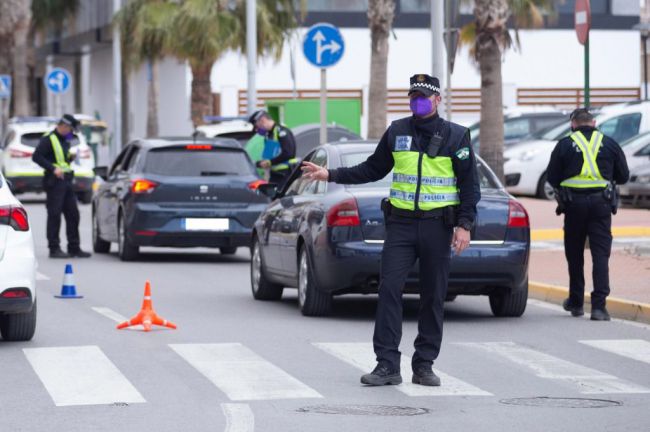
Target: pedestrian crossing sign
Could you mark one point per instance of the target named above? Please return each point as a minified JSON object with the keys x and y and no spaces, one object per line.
{"x":5,"y":86}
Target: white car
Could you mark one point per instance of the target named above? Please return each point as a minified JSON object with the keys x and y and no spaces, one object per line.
{"x":525,"y":164}
{"x":17,"y":269}
{"x":18,"y":145}
{"x":241,"y":130}
{"x":637,"y":151}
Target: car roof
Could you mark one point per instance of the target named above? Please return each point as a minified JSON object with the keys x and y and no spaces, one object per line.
{"x":174,"y":141}
{"x":32,"y":127}
{"x":315,"y":126}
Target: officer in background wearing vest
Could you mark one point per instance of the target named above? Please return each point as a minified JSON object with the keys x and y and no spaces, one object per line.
{"x":583,"y":170}
{"x":279,"y":154}
{"x":53,"y":154}
{"x":432,"y":206}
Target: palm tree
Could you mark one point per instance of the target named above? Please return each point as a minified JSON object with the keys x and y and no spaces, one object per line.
{"x":380,"y":21}
{"x":15,"y":18}
{"x":489,"y":37}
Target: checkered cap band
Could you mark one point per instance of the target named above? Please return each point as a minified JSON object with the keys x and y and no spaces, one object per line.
{"x":428,"y":86}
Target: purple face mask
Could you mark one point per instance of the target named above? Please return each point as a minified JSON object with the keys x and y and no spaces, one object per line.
{"x":69,"y":136}
{"x":421,"y":106}
{"x":261,"y":131}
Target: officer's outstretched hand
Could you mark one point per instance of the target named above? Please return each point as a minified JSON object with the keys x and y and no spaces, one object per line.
{"x":460,"y":241}
{"x":314,"y":172}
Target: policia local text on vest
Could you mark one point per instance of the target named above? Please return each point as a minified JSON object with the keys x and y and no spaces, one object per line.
{"x":584,"y":169}
{"x":432,"y":202}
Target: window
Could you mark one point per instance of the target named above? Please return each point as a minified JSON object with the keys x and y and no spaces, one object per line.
{"x":10,"y":137}
{"x":132,"y":161}
{"x":337,"y":5}
{"x":622,"y":127}
{"x":645,"y":151}
{"x":118,"y":161}
{"x":182,"y":162}
{"x":516,"y":128}
{"x":301,"y":186}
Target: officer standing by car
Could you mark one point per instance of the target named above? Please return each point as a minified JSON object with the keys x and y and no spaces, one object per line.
{"x":584,"y":169}
{"x":279,"y":153}
{"x":53,"y":154}
{"x":432,"y":206}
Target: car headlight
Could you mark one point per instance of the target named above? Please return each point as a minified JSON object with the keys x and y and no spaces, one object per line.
{"x":643,"y":179}
{"x":528,"y":154}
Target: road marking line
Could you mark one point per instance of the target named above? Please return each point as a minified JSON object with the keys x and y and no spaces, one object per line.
{"x":242,"y":374}
{"x":361,"y":356}
{"x":635,"y":349}
{"x":588,"y":381}
{"x":42,"y":277}
{"x":81,"y":376}
{"x":110,"y":314}
{"x":239,"y":417}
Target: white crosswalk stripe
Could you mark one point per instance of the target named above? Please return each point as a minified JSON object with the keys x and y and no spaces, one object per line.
{"x":81,"y":376}
{"x":635,"y":349}
{"x":587,"y":380}
{"x":241,"y":374}
{"x":361,"y":356}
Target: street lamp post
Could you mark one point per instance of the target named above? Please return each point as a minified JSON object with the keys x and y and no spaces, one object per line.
{"x":644,"y":28}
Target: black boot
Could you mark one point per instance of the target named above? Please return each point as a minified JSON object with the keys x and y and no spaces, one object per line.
{"x":576,"y":311}
{"x":78,"y":253}
{"x":58,"y":253}
{"x":599,"y":314}
{"x":382,"y":375}
{"x":425,"y":376}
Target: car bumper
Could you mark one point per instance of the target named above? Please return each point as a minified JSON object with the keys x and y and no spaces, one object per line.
{"x":34,"y":183}
{"x":18,"y":270}
{"x":635,"y":193}
{"x":526,"y":181}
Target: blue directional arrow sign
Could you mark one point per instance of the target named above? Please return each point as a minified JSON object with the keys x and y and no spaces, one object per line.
{"x":58,"y":81}
{"x":5,"y":86}
{"x":323,"y":45}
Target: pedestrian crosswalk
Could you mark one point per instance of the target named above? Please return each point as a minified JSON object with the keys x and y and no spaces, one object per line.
{"x":85,"y":375}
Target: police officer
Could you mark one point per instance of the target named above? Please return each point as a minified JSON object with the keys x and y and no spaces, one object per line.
{"x":432,"y":206}
{"x":279,"y":153}
{"x":53,"y":154}
{"x":583,"y":169}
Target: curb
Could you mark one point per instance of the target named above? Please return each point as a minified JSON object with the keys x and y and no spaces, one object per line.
{"x":558,"y":233}
{"x":618,"y":308}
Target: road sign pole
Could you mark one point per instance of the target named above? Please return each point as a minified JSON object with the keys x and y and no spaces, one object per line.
{"x":251,"y":53}
{"x":323,"y":105}
{"x":587,"y":73}
{"x":3,"y":116}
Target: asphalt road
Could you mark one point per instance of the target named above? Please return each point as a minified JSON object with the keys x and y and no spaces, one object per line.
{"x":236,"y":364}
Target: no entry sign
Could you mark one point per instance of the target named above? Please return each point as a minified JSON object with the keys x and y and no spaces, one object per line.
{"x":583,"y":20}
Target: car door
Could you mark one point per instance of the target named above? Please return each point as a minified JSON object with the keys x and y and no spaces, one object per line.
{"x":107,"y":200}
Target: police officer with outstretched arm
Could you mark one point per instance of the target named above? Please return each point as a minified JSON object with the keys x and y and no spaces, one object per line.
{"x":432,"y":206}
{"x":584,"y":169}
{"x":53,"y":154}
{"x":279,"y":154}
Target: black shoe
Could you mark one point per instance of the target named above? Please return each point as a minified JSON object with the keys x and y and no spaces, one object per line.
{"x":576,"y":311}
{"x":425,"y":376}
{"x":382,"y":375}
{"x":78,"y":253}
{"x":58,"y":253}
{"x":600,"y":314}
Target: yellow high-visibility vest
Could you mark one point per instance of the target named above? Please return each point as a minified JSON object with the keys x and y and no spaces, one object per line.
{"x":589,"y":176}
{"x":61,"y":161}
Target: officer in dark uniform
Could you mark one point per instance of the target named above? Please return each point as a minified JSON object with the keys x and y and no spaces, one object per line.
{"x":279,"y":146}
{"x":53,"y":154}
{"x":583,"y":170}
{"x":432,"y":206}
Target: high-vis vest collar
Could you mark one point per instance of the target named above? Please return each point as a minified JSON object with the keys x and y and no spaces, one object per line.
{"x":61,"y":160}
{"x":589,"y":176}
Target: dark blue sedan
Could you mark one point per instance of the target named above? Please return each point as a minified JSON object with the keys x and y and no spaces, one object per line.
{"x":326,"y":239}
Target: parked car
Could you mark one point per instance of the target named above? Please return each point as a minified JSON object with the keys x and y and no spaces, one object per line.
{"x":637,"y":151}
{"x":525,"y":164}
{"x":18,"y":145}
{"x":236,"y":128}
{"x":17,"y":269}
{"x":326,"y":239}
{"x":176,"y":193}
{"x":308,"y":137}
{"x":636,"y":192}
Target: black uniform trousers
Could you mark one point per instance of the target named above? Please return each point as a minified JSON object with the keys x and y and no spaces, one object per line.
{"x":407,"y":240}
{"x":588,"y":215}
{"x":61,"y":199}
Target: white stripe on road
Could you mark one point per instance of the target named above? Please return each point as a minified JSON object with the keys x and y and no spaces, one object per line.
{"x":635,"y":349}
{"x":361,"y":356}
{"x":241,"y":374}
{"x":41,"y":277}
{"x":239,"y":417}
{"x":588,"y":381}
{"x":81,"y":376}
{"x":110,"y":314}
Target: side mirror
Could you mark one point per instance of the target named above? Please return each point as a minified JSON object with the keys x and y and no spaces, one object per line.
{"x":101,"y":172}
{"x":269,"y":190}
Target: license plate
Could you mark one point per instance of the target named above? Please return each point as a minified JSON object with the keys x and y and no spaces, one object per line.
{"x":206,"y":224}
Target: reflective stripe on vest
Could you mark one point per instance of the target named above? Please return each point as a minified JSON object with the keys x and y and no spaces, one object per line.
{"x":283,"y":165}
{"x":60,"y":159}
{"x":589,"y":176}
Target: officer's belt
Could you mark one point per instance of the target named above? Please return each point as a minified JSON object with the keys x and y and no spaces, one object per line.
{"x":417,"y":214}
{"x":578,"y":192}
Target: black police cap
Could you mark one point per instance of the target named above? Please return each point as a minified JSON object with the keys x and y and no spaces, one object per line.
{"x":256,"y":116}
{"x":70,"y":120}
{"x":425,"y":84}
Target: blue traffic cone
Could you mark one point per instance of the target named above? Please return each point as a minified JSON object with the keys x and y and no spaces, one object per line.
{"x":68,"y":289}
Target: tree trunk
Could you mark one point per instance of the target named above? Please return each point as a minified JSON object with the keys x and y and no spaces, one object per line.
{"x":380,"y":20}
{"x":126,"y":105}
{"x":201,"y":92}
{"x":492,"y":108}
{"x":152,"y":103}
{"x":21,"y":71}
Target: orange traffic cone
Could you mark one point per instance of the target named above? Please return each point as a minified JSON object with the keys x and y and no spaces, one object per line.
{"x":147,"y":316}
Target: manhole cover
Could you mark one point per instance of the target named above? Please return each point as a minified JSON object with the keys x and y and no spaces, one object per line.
{"x":365,"y":410}
{"x":551,"y":402}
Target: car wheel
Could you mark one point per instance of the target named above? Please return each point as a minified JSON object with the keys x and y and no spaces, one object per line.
{"x":18,"y":326}
{"x":312,"y":302}
{"x":85,"y":197}
{"x":99,"y":245}
{"x":545,"y":190}
{"x":262,"y":288}
{"x":231,"y":250}
{"x":511,"y":304}
{"x":125,"y":249}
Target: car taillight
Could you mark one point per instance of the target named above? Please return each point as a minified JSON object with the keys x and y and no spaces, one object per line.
{"x":517,"y":215}
{"x":198,"y":147}
{"x":14,"y":153}
{"x":256,"y":184}
{"x":140,"y":186}
{"x":15,"y":217}
{"x":345,"y":213}
{"x":15,"y":293}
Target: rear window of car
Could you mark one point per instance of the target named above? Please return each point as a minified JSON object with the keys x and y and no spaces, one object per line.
{"x":32,"y":139}
{"x":185,"y":162}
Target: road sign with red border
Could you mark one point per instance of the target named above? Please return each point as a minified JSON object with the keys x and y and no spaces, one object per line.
{"x":583,"y":20}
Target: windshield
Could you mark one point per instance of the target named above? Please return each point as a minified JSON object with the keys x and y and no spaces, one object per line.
{"x":183,"y":162}
{"x":32,"y":139}
{"x":557,"y":132}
